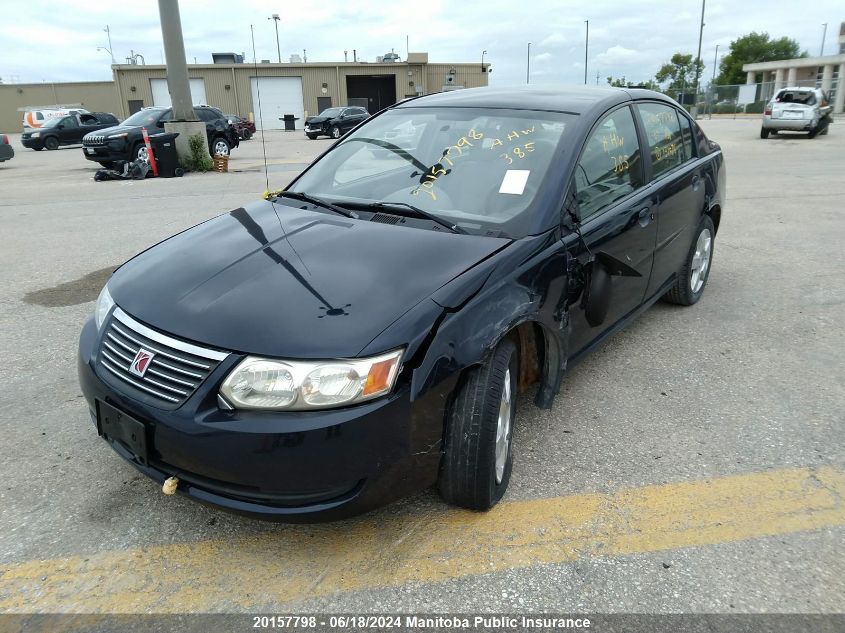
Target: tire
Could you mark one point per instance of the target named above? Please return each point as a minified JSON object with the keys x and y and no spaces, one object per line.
{"x":247,"y":135}
{"x":476,"y":468}
{"x":812,"y":133}
{"x":220,"y":146}
{"x":312,"y":136}
{"x":51,"y":143}
{"x":690,"y":286}
{"x":140,"y":151}
{"x":178,"y":172}
{"x":764,"y":133}
{"x":335,"y":132}
{"x":38,"y":149}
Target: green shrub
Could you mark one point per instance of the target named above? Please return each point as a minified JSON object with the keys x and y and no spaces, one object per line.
{"x":198,"y":160}
{"x":756,"y":107}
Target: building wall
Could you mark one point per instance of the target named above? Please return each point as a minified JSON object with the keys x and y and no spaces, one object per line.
{"x":318,"y":80}
{"x":97,"y":96}
{"x":227,"y":86}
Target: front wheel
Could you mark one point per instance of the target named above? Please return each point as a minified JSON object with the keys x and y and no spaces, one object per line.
{"x":478,"y":457}
{"x":693,"y":276}
{"x":311,"y":136}
{"x":764,"y":132}
{"x":220,"y":147}
{"x":335,"y":132}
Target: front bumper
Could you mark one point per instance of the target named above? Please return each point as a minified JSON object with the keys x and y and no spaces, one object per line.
{"x":106,"y":153}
{"x":32,"y":143}
{"x":284,"y":466}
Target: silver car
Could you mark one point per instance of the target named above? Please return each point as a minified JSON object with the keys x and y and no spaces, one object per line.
{"x":797,"y":110}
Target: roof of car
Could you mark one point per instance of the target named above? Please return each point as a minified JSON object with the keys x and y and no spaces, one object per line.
{"x":573,"y":99}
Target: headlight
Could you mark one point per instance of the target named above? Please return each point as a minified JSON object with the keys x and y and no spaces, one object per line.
{"x":103,"y":306}
{"x":262,"y":383}
{"x":121,"y":135}
{"x":36,"y":134}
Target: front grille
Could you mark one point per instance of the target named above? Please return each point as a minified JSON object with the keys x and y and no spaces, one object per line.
{"x":93,"y":140}
{"x":174,"y":373}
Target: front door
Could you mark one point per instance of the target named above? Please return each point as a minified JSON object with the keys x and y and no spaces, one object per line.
{"x":616,"y":212}
{"x":69,"y":132}
{"x":677,"y":174}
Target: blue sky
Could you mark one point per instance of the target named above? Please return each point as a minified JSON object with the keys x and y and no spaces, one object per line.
{"x":50,"y":41}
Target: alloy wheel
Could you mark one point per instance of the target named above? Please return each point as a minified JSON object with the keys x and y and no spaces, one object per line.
{"x":700,"y":260}
{"x":503,"y":429}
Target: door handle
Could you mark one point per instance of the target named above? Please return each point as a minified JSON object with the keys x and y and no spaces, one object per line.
{"x":696,"y":181}
{"x":645,"y":216}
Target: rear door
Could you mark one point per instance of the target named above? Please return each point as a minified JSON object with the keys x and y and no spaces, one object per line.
{"x":675,"y":174}
{"x":615,"y":208}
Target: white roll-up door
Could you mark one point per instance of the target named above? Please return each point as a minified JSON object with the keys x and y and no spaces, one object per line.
{"x":279,"y":96}
{"x":161,"y":95}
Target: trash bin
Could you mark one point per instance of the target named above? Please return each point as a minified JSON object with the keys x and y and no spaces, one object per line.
{"x":290,"y":122}
{"x":164,"y":150}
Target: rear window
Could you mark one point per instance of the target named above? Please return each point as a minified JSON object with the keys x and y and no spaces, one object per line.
{"x":802,"y":97}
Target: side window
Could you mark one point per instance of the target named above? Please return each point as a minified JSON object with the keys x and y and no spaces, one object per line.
{"x":610,"y":167}
{"x":663,"y":134}
{"x":69,"y":122}
{"x":686,"y":135}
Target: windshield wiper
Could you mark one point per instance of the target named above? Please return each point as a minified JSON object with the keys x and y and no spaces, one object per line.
{"x":304,"y":197}
{"x":416,"y":211}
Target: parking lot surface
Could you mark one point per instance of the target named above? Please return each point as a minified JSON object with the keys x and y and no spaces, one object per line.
{"x":694,"y":463}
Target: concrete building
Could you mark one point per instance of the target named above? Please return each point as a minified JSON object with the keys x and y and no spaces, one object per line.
{"x":301,"y":89}
{"x":826,"y":72}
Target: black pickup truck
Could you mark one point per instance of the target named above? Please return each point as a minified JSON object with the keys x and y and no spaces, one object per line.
{"x":67,"y":130}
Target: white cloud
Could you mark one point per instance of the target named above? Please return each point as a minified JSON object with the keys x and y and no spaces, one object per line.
{"x":555,"y":39}
{"x":616,"y":55}
{"x":543,"y":57}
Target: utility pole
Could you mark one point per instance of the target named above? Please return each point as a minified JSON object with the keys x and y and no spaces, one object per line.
{"x":275,"y":17}
{"x":108,"y":33}
{"x":824,"y":34}
{"x":586,"y":50}
{"x":597,"y":78}
{"x":483,"y":53}
{"x":528,"y":65}
{"x":715,"y":63}
{"x":184,"y":120}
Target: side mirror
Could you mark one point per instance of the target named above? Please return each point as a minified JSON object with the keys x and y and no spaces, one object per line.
{"x":598,"y":295}
{"x":60,"y":126}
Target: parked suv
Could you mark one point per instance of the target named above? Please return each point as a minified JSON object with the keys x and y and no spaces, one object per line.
{"x":334,"y":122}
{"x":126,"y":141}
{"x":797,"y":110}
{"x":67,"y":130}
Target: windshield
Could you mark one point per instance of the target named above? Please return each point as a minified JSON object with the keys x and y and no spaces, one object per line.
{"x":143,"y":118}
{"x":54,"y":122}
{"x":478,"y":168}
{"x":331,"y":112}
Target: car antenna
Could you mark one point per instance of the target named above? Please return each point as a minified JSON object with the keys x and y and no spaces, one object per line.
{"x":264,"y":150}
{"x":260,"y":115}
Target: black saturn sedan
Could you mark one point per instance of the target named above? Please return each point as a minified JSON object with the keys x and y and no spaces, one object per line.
{"x":364,"y":333}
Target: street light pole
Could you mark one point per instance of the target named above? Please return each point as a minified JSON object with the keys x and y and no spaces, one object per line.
{"x":483,"y":53}
{"x":824,"y":34}
{"x":715,"y":62}
{"x":698,"y":64}
{"x":586,"y":50}
{"x":275,"y":17}
{"x":110,"y":49}
{"x":528,"y":65}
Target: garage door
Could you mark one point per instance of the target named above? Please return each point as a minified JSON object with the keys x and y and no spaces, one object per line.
{"x":161,"y":95}
{"x":279,"y":96}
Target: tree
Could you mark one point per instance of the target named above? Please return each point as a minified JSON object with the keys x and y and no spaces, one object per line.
{"x":621,"y":82}
{"x":678,"y":74}
{"x":752,"y":48}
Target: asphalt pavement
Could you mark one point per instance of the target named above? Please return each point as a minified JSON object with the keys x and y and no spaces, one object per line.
{"x":694,"y":463}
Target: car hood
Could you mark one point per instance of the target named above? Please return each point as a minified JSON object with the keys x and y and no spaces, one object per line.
{"x":323,"y":287}
{"x":317,"y":119}
{"x":114,"y":129}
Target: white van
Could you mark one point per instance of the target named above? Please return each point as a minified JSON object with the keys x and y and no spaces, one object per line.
{"x":35,"y":118}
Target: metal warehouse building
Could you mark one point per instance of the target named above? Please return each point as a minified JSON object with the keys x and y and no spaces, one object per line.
{"x":301,"y":89}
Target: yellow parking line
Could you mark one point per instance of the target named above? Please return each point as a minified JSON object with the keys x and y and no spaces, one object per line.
{"x":302,"y":561}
